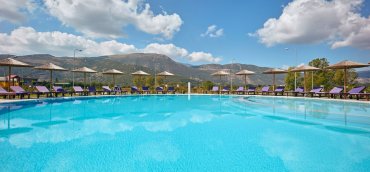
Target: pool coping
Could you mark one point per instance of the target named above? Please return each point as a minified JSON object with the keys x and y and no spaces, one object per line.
{"x":5,"y":101}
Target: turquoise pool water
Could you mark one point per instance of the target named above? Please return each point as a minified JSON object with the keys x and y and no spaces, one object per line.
{"x":181,"y":133}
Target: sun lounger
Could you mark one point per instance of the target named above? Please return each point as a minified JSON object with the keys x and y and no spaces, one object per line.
{"x":315,"y":90}
{"x":40,"y":90}
{"x":145,"y":90}
{"x":19,"y":91}
{"x":265,"y":90}
{"x":251,"y":89}
{"x":159,"y":90}
{"x":5,"y":93}
{"x":279,"y":90}
{"x":215,"y":89}
{"x":134,"y":89}
{"x":298,"y":90}
{"x":332,"y":93}
{"x":357,"y":91}
{"x":92,"y":90}
{"x":117,"y":90}
{"x":78,"y":90}
{"x":240,"y":90}
{"x":107,"y":90}
{"x":171,"y":90}
{"x":225,"y":90}
{"x":59,"y":89}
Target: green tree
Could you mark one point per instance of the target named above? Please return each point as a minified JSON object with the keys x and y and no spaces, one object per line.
{"x":289,"y":79}
{"x":338,"y":78}
{"x":322,"y":77}
{"x":207,"y":85}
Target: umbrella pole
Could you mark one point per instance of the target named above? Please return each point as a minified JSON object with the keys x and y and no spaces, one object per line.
{"x":51,"y":81}
{"x":273,"y":84}
{"x":10,"y":71}
{"x":295,"y":80}
{"x":304,"y":81}
{"x":219,"y":89}
{"x":114,"y":80}
{"x":84,"y":81}
{"x":345,"y":80}
{"x":312,"y":80}
{"x":245,"y":81}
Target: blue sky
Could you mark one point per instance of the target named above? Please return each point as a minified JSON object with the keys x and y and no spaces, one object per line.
{"x":299,"y":30}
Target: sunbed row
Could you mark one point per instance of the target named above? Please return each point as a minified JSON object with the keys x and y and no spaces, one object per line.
{"x":76,"y":90}
{"x":280,"y":90}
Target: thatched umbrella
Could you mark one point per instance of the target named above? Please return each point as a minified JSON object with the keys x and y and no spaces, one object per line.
{"x":113,"y":72}
{"x":50,"y":67}
{"x":274,"y":72}
{"x":346,"y":64}
{"x":140,"y":73}
{"x":165,"y":74}
{"x":12,"y":63}
{"x":84,"y":70}
{"x":245,"y":73}
{"x":304,"y":69}
{"x":220,"y":74}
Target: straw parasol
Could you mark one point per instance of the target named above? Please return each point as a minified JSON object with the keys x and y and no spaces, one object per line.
{"x":50,"y":67}
{"x":274,"y":72}
{"x":245,"y":73}
{"x":12,"y":63}
{"x":84,"y":70}
{"x":113,"y":72}
{"x":140,"y":73}
{"x":305,"y":69}
{"x":220,"y":74}
{"x":346,"y":64}
{"x":165,"y":74}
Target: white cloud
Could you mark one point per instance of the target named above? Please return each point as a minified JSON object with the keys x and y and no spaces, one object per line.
{"x":96,"y":18}
{"x":337,"y":22}
{"x":26,"y":40}
{"x":177,"y":52}
{"x":213,"y":32}
{"x":203,"y":57}
{"x":15,"y":10}
{"x":167,"y":49}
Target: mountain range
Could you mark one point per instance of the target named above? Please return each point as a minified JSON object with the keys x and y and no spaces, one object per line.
{"x":128,"y":63}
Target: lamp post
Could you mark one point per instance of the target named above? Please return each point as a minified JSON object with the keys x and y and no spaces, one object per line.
{"x":74,"y":63}
{"x":295,"y":73}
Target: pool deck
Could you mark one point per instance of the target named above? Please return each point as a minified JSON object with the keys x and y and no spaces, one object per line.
{"x":235,"y":95}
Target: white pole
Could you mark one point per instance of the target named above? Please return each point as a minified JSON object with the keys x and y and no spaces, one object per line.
{"x":189,"y":88}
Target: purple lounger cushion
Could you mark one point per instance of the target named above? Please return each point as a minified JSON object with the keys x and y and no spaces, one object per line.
{"x":42,"y":89}
{"x":4,"y":92}
{"x":58,"y":89}
{"x":316,"y":90}
{"x":106,"y":89}
{"x":134,"y":88}
{"x":240,"y":89}
{"x":279,"y":89}
{"x":299,"y":90}
{"x":77,"y":89}
{"x":265,"y":89}
{"x":336,"y":90}
{"x":357,"y":90}
{"x":226,"y":89}
{"x":215,"y":88}
{"x":251,"y":89}
{"x":159,"y":89}
{"x":145,"y":88}
{"x":18,"y":90}
{"x":171,"y":89}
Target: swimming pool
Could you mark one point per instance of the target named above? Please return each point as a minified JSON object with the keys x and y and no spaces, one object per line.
{"x":185,"y":133}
